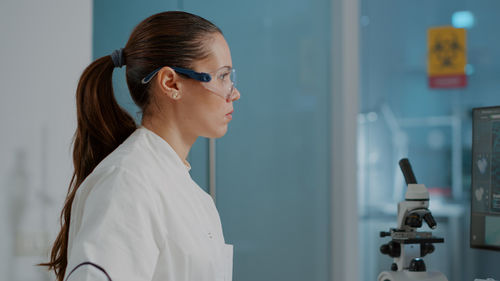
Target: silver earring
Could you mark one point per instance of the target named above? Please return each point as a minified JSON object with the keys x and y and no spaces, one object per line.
{"x":175,"y":95}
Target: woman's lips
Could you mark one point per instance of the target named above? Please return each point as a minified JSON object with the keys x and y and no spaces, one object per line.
{"x":229,"y":115}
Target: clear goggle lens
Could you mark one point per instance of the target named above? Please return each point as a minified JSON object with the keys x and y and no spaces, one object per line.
{"x":222,"y":83}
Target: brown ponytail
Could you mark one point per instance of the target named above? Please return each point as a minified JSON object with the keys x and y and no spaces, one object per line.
{"x":102,"y":126}
{"x":164,"y":39}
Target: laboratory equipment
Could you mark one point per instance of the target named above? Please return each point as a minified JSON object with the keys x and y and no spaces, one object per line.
{"x":485,"y":197}
{"x":408,"y":246}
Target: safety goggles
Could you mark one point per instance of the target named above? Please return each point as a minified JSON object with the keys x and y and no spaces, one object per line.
{"x":221,"y":82}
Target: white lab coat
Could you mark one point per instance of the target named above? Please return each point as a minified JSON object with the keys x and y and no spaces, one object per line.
{"x":140,"y":216}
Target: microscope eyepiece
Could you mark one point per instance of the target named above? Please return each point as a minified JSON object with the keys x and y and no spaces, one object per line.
{"x":405,"y":166}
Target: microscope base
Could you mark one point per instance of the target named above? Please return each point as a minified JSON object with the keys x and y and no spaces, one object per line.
{"x":411,"y":276}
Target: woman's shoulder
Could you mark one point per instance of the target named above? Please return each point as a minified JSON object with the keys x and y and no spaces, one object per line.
{"x":135,"y":166}
{"x":143,"y":153}
{"x":130,"y":153}
{"x":132,"y":158}
{"x":123,"y":170}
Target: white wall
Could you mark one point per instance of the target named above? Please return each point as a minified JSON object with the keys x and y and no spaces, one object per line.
{"x":45,"y":45}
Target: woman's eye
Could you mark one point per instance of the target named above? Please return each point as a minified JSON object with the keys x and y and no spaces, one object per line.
{"x":223,"y":76}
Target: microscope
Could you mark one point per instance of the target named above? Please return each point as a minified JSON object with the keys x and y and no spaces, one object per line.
{"x":408,"y":246}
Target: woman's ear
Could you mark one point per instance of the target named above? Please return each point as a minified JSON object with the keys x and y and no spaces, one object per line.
{"x":168,"y":81}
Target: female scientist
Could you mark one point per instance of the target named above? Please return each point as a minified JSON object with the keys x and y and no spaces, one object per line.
{"x":132,"y":211}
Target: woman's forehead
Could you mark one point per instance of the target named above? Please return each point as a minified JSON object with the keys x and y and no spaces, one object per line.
{"x":220,"y":55}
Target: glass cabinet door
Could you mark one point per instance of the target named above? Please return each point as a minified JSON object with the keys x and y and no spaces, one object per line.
{"x":272,"y":167}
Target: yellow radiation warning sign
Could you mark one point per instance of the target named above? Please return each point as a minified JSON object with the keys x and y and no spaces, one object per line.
{"x":447,"y":57}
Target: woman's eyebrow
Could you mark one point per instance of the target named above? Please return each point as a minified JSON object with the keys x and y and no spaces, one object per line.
{"x":225,"y":66}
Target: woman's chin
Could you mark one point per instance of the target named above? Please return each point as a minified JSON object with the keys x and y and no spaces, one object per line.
{"x":218,"y":133}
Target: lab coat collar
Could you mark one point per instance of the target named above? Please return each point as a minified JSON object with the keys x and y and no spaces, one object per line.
{"x":157,"y":140}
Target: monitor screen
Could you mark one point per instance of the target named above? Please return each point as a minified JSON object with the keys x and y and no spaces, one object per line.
{"x":485,"y":197}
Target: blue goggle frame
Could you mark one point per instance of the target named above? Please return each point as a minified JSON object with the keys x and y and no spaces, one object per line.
{"x":199,"y":76}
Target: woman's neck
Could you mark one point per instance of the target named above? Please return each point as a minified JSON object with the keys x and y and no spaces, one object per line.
{"x":173,"y":135}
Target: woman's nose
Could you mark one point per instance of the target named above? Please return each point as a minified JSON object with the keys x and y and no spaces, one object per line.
{"x":236,"y":95}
